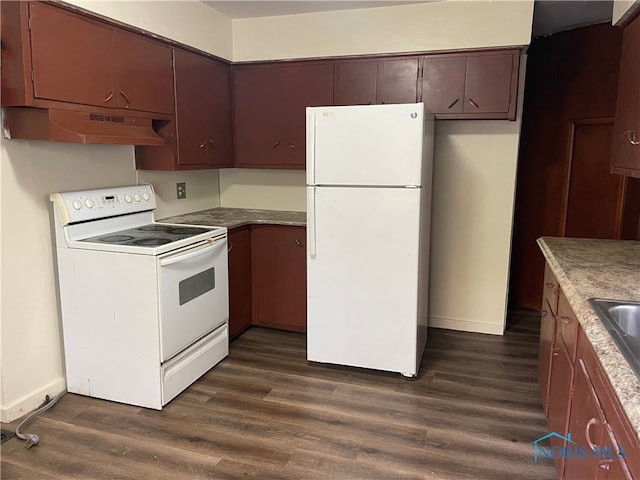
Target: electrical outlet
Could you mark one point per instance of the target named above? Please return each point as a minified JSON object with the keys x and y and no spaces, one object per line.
{"x":181,"y":190}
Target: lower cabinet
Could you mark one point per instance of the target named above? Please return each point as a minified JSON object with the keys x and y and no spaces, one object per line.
{"x":279,"y":280}
{"x":239,"y":280}
{"x":581,"y":404}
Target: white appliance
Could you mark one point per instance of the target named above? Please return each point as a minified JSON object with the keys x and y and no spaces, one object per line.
{"x":368,"y":214}
{"x":145,"y":305}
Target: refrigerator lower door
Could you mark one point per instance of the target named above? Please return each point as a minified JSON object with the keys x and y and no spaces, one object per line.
{"x":362,"y":277}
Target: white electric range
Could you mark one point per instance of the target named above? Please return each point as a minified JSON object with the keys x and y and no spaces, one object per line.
{"x":145,"y":305}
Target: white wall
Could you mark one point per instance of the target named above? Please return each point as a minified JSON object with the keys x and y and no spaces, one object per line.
{"x":473,"y":198}
{"x":186,"y":21}
{"x":267,"y":189}
{"x":452,"y":24}
{"x":622,"y":9}
{"x":32,"y":362}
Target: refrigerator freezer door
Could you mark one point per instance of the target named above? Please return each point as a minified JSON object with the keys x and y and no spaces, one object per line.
{"x":362,"y":277}
{"x":365,"y":145}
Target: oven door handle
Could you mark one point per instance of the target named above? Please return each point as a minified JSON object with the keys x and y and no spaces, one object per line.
{"x":214,"y":245}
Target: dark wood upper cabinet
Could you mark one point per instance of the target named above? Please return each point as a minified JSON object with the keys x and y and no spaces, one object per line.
{"x":626,"y":142}
{"x":143,"y":73}
{"x":81,"y":61}
{"x":356,"y":82}
{"x":397,"y":81}
{"x":72,"y":58}
{"x":443,"y":83}
{"x":200,"y":136}
{"x":269,"y":111}
{"x":374,"y":81}
{"x":479,"y":85}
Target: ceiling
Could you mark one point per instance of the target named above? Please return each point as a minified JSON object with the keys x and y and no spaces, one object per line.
{"x":248,"y":9}
{"x":550,"y":16}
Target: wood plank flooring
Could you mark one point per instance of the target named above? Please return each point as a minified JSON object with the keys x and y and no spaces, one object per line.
{"x":266,"y":413}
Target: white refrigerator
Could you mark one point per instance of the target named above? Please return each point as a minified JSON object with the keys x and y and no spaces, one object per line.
{"x":368,"y":215}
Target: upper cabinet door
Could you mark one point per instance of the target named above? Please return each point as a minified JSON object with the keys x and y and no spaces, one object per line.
{"x":144,"y":76}
{"x":626,"y":141}
{"x":397,"y":81}
{"x":304,"y":86}
{"x":356,"y":82}
{"x":478,"y":85}
{"x":269,"y":111}
{"x":217,"y":79}
{"x":258,"y":111}
{"x":488,"y":83}
{"x":203,"y":110}
{"x":72,"y":58}
{"x":443,"y":83}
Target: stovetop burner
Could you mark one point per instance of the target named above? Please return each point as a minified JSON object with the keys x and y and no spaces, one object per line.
{"x":151,"y":242}
{"x":151,"y":235}
{"x":115,"y":238}
{"x":171,"y":229}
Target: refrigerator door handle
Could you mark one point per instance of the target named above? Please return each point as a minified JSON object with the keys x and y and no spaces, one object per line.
{"x":311,"y":224}
{"x":311,"y":149}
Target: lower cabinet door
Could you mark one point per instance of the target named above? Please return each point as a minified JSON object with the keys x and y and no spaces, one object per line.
{"x":547,"y":332}
{"x":559,"y":399}
{"x":279,"y":276}
{"x":587,"y":429}
{"x":239,"y":280}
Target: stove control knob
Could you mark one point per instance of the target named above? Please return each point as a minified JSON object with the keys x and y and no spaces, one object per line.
{"x":127,"y":198}
{"x":136,"y":197}
{"x":89,"y":203}
{"x":145,"y":196}
{"x":77,"y":205}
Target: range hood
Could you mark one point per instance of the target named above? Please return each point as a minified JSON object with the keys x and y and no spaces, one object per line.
{"x":57,"y":125}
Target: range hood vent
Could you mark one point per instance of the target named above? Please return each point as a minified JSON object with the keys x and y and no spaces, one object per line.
{"x":56,"y":125}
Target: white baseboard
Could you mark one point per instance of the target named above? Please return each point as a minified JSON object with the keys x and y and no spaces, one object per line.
{"x":28,"y":403}
{"x":466,"y":325}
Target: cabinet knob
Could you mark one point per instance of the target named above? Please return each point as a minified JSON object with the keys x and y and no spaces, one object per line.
{"x":212,"y":142}
{"x":204,"y":142}
{"x":453,"y":103}
{"x":108,"y":97}
{"x":631,"y":136}
{"x":299,"y":243}
{"x":565,"y":320}
{"x":604,"y":465}
{"x":474,"y":103}
{"x":275,"y":145}
{"x":555,"y":353}
{"x":543,"y":313}
{"x":292,"y":146}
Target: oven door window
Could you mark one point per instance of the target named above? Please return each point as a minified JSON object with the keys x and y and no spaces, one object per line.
{"x":197,"y":285}
{"x":193,"y":294}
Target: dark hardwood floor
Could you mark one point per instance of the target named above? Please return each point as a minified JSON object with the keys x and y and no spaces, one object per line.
{"x":265,"y":413}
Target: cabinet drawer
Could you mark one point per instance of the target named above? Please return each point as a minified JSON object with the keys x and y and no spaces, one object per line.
{"x":567,"y":326}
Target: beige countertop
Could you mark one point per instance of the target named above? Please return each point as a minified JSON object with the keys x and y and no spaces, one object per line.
{"x":237,"y":217}
{"x":588,"y":268}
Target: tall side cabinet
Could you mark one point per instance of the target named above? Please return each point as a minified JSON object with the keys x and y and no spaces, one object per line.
{"x":626,"y":143}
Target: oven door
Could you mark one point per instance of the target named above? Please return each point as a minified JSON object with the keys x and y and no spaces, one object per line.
{"x":193,"y":294}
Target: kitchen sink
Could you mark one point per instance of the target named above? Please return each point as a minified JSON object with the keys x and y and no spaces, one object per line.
{"x":622,"y":321}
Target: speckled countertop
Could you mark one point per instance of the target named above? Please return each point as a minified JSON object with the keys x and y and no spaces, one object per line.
{"x":237,"y":217}
{"x":588,"y":268}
